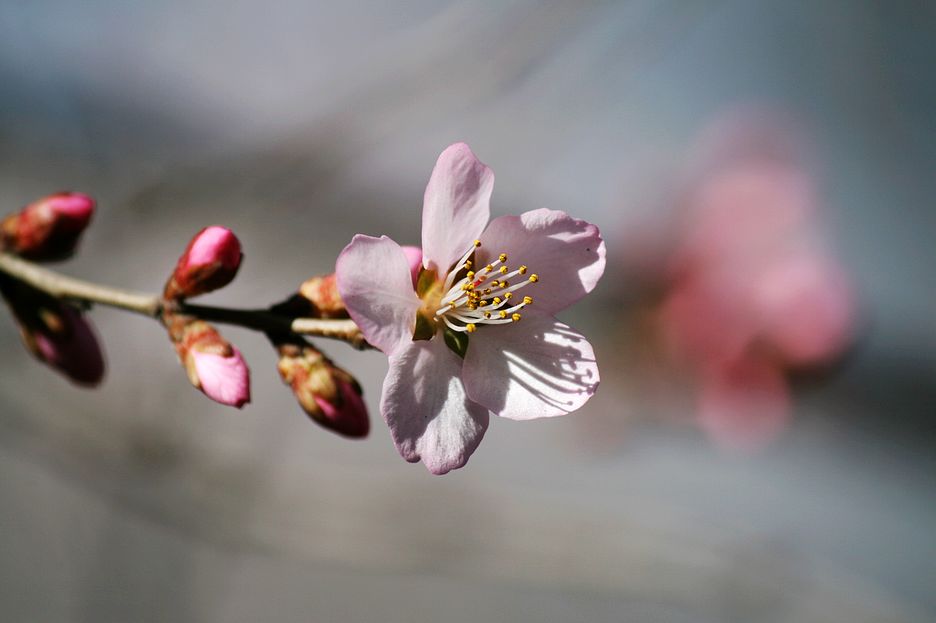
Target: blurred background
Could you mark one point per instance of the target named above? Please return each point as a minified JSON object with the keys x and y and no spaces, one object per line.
{"x":761,"y":447}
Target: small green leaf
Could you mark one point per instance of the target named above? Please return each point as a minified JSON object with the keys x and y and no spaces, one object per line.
{"x":456,"y":341}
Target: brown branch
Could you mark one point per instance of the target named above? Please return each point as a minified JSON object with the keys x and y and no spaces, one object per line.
{"x":84,"y":292}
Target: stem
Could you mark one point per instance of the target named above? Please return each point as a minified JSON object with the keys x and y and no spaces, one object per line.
{"x":63,"y":287}
{"x":68,"y":288}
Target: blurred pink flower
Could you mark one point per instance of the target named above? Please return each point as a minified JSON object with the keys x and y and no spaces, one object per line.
{"x":743,"y":404}
{"x":210,"y":261}
{"x":457,"y":347}
{"x":752,"y":290}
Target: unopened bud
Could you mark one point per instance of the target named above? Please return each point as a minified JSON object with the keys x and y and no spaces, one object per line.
{"x":210,"y":261}
{"x":213,"y":365}
{"x":47,"y":229}
{"x":327,"y":393}
{"x":56,"y":333}
{"x":414,"y":258}
{"x":322,"y":294}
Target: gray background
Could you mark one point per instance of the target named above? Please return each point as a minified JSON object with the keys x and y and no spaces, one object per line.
{"x":298,"y":124}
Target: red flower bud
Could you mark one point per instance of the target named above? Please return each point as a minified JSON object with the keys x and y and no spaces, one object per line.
{"x":327,"y":393}
{"x":213,"y":365}
{"x":56,"y":333}
{"x":210,"y":261}
{"x":47,"y":229}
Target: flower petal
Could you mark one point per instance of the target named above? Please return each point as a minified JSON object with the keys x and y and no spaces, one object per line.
{"x":424,"y":404}
{"x":374,"y":282}
{"x":456,"y":206}
{"x":536,"y":368}
{"x":567,"y":254}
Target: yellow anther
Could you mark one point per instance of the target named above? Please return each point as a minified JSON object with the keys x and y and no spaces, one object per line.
{"x":527,"y":300}
{"x":477,"y":243}
{"x":508,"y":296}
{"x":515,"y":317}
{"x":503,"y":270}
{"x":482,"y":303}
{"x":470,"y":274}
{"x":497,"y":300}
{"x":502,"y":257}
{"x":466,"y":286}
{"x":467,"y":264}
{"x":489,"y":268}
{"x":452,"y":304}
{"x":522,"y":270}
{"x":470,"y":327}
{"x":504,"y":284}
{"x":487,"y":314}
{"x":502,"y":313}
{"x":534,"y":278}
{"x":472,"y":305}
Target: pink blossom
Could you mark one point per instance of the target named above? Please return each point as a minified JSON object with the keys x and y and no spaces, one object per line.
{"x":477,"y":334}
{"x":754,"y":290}
{"x":210,"y":261}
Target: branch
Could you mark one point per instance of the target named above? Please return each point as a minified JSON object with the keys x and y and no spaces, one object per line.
{"x":84,"y":292}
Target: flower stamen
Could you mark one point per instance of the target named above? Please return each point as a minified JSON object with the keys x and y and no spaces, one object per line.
{"x":465,"y":305}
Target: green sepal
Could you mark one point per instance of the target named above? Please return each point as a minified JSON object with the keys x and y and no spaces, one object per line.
{"x":426,"y":279}
{"x":456,"y":341}
{"x":424,"y":330}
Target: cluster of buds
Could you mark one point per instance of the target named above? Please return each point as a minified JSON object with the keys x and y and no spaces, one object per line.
{"x":54,"y":331}
{"x":59,"y":334}
{"x":213,"y":365}
{"x":329,"y":394}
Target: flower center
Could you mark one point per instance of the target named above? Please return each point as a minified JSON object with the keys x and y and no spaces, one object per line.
{"x":484,"y":296}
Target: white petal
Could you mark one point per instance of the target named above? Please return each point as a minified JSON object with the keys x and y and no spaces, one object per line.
{"x":456,"y":206}
{"x":424,"y":404}
{"x":567,"y":254}
{"x":375,"y":284}
{"x":538,"y":367}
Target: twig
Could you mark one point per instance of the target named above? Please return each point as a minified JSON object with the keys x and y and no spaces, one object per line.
{"x":85,"y":292}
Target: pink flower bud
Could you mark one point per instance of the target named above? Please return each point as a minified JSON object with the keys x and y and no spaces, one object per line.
{"x":322,"y":293}
{"x":414,"y":258}
{"x":210,"y":261}
{"x":66,"y":341}
{"x":328,"y":394}
{"x":346,"y":412}
{"x":213,"y":365}
{"x":48,"y":229}
{"x":222,"y":377}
